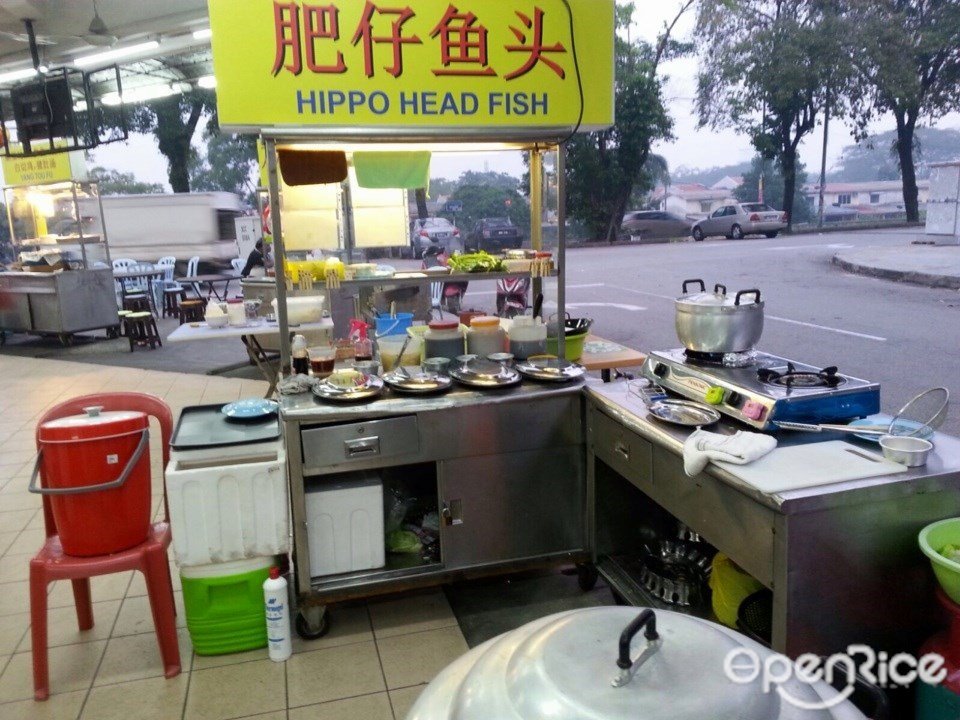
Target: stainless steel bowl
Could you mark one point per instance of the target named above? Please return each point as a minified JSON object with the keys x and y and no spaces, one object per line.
{"x":909,"y":451}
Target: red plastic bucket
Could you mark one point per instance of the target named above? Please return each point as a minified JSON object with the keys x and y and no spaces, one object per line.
{"x":96,"y":473}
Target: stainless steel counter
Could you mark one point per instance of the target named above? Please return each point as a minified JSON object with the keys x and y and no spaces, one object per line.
{"x":842,"y":559}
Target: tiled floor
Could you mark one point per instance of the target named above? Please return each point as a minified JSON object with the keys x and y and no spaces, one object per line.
{"x":371,"y":666}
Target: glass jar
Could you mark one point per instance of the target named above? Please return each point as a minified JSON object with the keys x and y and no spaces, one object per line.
{"x":528,"y":337}
{"x":485,"y":336}
{"x":443,"y":338}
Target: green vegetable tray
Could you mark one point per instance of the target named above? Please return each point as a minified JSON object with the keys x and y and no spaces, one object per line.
{"x":933,"y":538}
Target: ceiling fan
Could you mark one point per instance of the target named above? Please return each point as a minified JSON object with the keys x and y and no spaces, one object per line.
{"x":97,"y":33}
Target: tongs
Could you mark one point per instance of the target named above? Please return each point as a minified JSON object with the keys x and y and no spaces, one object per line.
{"x":877,"y":430}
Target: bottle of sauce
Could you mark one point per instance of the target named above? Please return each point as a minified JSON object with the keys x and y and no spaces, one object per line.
{"x":362,"y":346}
{"x":485,"y":336}
{"x":298,"y":353}
{"x":443,"y":339}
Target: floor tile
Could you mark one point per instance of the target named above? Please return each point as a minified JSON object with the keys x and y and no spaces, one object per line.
{"x":348,"y":624}
{"x":411,"y":613}
{"x":333,"y":674}
{"x":71,"y":668}
{"x":276,"y":715}
{"x":135,"y":657}
{"x":204,"y":662}
{"x":366,"y":707}
{"x":12,"y":630}
{"x":403,"y":699}
{"x":15,"y":568}
{"x":59,"y":706}
{"x":6,"y":540}
{"x":28,"y":541}
{"x":15,"y":520}
{"x":151,"y":699}
{"x":102,"y":587}
{"x":14,"y":597}
{"x":62,"y":625}
{"x":19,"y":498}
{"x":135,"y":616}
{"x":413,"y":659}
{"x":235,"y":691}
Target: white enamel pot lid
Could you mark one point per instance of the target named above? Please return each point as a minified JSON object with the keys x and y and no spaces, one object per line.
{"x":705,"y":300}
{"x":564,"y":667}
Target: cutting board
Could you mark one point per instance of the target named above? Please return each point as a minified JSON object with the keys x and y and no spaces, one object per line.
{"x":810,"y":465}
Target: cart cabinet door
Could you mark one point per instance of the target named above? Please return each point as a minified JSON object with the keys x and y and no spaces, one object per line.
{"x":507,"y":507}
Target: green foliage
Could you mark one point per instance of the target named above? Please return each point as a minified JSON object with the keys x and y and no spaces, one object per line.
{"x":113,"y":182}
{"x":228,"y":164}
{"x":766,"y":69}
{"x":773,"y":188}
{"x":489,"y":201}
{"x":708,"y":176}
{"x":875,"y":157}
{"x":604,"y":169}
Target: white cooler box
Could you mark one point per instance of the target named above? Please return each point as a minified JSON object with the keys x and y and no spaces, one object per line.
{"x":228,"y":508}
{"x":345,"y":523}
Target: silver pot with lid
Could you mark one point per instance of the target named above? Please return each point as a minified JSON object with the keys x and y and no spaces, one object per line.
{"x":715,"y":322}
{"x":609,"y":662}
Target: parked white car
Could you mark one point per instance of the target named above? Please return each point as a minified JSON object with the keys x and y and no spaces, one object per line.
{"x":740,"y":219}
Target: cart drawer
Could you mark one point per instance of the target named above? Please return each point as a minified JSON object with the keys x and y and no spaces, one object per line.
{"x":359,"y":442}
{"x":623,"y":450}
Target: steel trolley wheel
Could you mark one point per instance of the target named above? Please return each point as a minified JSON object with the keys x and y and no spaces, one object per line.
{"x":313,"y":623}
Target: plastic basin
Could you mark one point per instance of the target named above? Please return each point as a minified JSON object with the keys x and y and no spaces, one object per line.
{"x":573,"y":346}
{"x":932,"y":539}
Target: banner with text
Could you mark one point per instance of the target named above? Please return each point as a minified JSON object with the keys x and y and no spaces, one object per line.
{"x":420,"y":64}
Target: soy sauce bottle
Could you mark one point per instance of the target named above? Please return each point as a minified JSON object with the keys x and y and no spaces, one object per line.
{"x":298,"y":353}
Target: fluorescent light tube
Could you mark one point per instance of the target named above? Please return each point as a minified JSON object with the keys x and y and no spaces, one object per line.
{"x":15,"y":75}
{"x":202,"y":34}
{"x":109,"y":55}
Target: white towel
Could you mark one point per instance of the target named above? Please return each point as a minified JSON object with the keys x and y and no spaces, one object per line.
{"x":741,"y":448}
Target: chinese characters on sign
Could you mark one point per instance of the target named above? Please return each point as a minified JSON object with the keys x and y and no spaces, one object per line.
{"x":463,"y":40}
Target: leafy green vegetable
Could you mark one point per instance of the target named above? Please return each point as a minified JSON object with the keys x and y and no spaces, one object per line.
{"x":475,"y":263}
{"x":402,"y":541}
{"x":951,"y":552}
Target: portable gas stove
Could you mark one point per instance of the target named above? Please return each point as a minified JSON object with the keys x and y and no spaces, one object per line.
{"x":757,"y":388}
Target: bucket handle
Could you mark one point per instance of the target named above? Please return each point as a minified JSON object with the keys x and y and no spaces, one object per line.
{"x":137,"y":454}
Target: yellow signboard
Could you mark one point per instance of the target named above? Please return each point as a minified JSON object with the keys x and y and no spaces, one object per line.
{"x":414,"y":64}
{"x":57,"y":167}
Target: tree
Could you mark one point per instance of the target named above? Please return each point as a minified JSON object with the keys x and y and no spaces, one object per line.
{"x":875,"y":157}
{"x":604,"y":168}
{"x":489,"y":201}
{"x":114,"y":182}
{"x":768,"y":68}
{"x":228,"y":164}
{"x":773,"y":188}
{"x":172,"y":121}
{"x":906,"y":54}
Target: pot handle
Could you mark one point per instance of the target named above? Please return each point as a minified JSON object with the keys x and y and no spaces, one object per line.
{"x":754,"y":292}
{"x":720,"y":289}
{"x":141,"y":447}
{"x":646,"y":620}
{"x":703,"y":286}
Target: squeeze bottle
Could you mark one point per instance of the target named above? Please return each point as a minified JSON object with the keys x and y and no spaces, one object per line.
{"x":276,"y":606}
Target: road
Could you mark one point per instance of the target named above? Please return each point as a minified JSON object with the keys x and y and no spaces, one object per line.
{"x":902,"y":336}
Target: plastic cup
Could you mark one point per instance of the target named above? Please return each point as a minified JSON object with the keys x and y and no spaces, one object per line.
{"x":390,"y":347}
{"x":322,"y":360}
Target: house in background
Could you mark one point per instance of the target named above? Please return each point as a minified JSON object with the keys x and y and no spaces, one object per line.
{"x":694,"y":200}
{"x":875,"y":198}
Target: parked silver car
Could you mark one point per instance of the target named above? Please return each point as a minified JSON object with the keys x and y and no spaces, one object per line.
{"x":435,"y":231}
{"x":652,"y":224}
{"x":740,"y":219}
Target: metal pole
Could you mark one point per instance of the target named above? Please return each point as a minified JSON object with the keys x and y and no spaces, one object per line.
{"x":561,"y":249}
{"x":823,"y":159}
{"x":279,"y":254}
{"x":536,"y":209}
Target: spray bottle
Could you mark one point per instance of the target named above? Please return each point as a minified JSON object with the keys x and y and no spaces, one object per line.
{"x":362,"y":345}
{"x":276,"y":606}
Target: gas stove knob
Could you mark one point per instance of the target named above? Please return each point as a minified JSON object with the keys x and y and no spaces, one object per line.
{"x":660,"y":370}
{"x":754,"y":410}
{"x":714,"y":396}
{"x":734,"y":399}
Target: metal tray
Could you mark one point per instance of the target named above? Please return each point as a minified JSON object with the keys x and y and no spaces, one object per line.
{"x":551,"y":370}
{"x":417,"y":383}
{"x":369,"y":390}
{"x":204,"y":426}
{"x":483,"y":378}
{"x":683,"y":412}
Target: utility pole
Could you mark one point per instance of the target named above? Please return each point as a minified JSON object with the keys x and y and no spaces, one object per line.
{"x":823,"y":158}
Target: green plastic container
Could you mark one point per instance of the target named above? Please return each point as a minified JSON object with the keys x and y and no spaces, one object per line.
{"x":224,"y":605}
{"x":932,"y":539}
{"x":573,"y":346}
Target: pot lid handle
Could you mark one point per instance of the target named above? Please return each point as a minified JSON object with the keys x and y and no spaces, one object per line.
{"x":93,"y":410}
{"x":740,"y":294}
{"x":719,"y":289}
{"x":647,"y":621}
{"x":703,"y":285}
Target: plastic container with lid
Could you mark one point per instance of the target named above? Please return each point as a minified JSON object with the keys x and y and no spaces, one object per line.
{"x":96,"y":470}
{"x":444,"y":338}
{"x":236,"y":313}
{"x":485,"y":336}
{"x":528,"y":337}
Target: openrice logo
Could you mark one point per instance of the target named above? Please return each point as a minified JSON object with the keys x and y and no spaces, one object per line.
{"x":744,"y":666}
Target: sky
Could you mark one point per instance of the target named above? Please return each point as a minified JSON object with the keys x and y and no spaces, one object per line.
{"x":694,"y":147}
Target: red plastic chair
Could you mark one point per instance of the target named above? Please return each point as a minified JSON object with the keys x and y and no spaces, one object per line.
{"x":150,"y":557}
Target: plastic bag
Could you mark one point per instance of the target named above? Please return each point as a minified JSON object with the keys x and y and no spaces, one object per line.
{"x":397,"y":508}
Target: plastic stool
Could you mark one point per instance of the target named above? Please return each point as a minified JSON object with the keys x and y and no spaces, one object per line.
{"x":142,"y":330}
{"x":191,"y":311}
{"x":172,"y":297}
{"x":136,"y":303}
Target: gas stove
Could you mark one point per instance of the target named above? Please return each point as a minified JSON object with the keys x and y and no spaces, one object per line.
{"x":757,"y":388}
